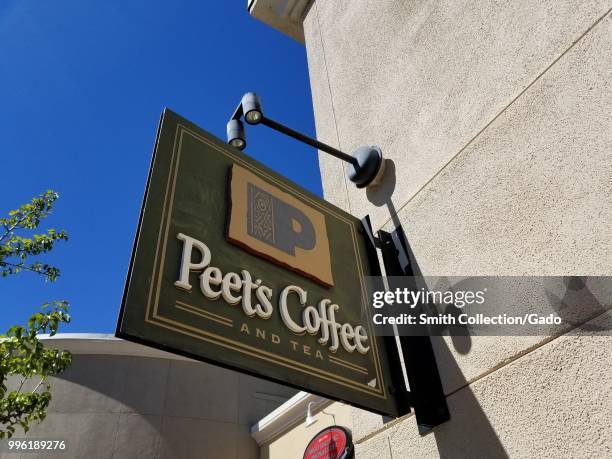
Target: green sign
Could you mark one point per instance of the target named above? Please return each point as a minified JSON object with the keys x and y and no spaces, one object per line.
{"x":237,"y":266}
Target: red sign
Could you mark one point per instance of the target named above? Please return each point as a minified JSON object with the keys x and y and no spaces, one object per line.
{"x":331,"y":443}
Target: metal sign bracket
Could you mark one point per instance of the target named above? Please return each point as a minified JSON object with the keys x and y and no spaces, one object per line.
{"x":426,"y":394}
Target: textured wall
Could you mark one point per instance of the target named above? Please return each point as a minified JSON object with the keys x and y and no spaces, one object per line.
{"x":110,"y":406}
{"x":497,"y":119}
{"x":553,"y":402}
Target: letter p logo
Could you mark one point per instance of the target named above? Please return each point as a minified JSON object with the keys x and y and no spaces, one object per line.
{"x":278,"y":226}
{"x":277,"y":223}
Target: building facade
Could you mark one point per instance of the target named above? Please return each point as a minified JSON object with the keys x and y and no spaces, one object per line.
{"x":495,"y":118}
{"x":119,"y":399}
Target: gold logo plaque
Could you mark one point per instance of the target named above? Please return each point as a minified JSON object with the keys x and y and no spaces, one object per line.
{"x":275,"y":225}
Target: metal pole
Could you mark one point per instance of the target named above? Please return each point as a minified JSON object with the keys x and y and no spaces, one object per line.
{"x":308,"y":140}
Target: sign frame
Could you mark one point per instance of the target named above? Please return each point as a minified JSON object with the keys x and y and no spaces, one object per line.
{"x":392,"y":384}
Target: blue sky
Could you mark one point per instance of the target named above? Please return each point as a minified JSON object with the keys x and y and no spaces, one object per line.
{"x":83,"y":85}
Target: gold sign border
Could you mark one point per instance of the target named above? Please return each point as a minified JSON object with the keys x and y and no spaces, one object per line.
{"x":380,"y":391}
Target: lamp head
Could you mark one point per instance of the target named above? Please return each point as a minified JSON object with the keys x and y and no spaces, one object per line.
{"x":251,"y":108}
{"x":235,"y":134}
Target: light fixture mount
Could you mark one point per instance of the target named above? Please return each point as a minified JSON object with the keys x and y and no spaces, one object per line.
{"x":366,"y":165}
{"x":369,"y":169}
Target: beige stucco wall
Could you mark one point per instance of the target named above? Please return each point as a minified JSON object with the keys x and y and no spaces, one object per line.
{"x":497,"y":119}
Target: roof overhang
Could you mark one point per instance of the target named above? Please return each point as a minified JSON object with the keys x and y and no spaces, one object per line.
{"x":287,"y":416}
{"x":286,"y":16}
{"x":104,"y":344}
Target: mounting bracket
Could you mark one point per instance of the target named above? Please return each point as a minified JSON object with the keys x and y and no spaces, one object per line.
{"x":426,"y":394}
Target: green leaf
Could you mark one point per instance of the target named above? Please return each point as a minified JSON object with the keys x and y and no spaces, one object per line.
{"x":22,"y":354}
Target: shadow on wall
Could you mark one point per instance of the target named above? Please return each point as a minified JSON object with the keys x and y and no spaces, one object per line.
{"x":468,"y":433}
{"x":381,"y":196}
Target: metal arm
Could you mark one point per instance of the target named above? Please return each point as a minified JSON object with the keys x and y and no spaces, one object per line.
{"x":308,"y":140}
{"x":366,"y":164}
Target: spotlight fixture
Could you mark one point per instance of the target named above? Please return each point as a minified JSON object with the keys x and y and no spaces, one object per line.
{"x":235,"y":134}
{"x":366,"y":165}
{"x":251,"y":107}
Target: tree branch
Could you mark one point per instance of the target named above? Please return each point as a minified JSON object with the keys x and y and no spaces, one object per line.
{"x":38,"y":385}
{"x":21,"y":266}
{"x":17,"y":223}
